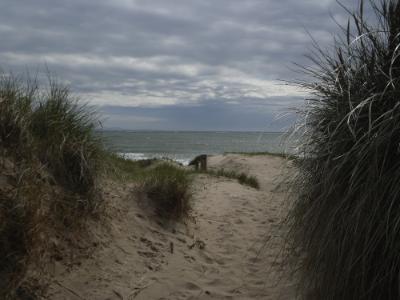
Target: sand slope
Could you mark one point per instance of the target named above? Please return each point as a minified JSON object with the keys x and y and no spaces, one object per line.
{"x":229,"y":249}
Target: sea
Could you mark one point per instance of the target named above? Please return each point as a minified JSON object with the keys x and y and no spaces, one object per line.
{"x":183,"y":146}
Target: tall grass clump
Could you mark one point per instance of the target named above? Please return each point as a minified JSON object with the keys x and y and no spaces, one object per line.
{"x":50,"y":160}
{"x":345,"y":222}
{"x":251,"y":181}
{"x":16,"y":100}
{"x":64,"y":129}
{"x":168,"y":189}
{"x":49,"y":124}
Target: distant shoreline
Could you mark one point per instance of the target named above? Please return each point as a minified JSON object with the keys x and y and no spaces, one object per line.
{"x":182,"y":146}
{"x":185,"y":161}
{"x":187,"y":131}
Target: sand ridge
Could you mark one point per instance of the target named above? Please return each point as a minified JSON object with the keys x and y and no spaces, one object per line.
{"x":229,"y":249}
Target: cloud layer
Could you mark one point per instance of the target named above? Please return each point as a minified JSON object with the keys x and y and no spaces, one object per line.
{"x":151,"y":56}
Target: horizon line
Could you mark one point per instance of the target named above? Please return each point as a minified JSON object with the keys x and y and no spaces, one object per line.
{"x":183,"y":130}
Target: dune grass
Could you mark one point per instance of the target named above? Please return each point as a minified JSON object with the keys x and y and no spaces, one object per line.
{"x":16,"y":100}
{"x":49,"y":124}
{"x":168,"y":188}
{"x":344,"y":224}
{"x":241,"y":177}
{"x":63,"y":130}
{"x":124,"y":169}
{"x":165,"y":185}
{"x":21,"y":228}
{"x":47,"y":143}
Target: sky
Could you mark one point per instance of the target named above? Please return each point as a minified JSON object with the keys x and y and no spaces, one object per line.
{"x":173,"y":64}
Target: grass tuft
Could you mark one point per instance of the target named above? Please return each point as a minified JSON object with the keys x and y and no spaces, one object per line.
{"x":346,"y":213}
{"x":16,"y":98}
{"x":167,"y":187}
{"x":248,"y":180}
{"x":123,"y":169}
{"x":241,"y":177}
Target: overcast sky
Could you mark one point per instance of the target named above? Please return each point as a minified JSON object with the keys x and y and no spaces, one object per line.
{"x":172,"y":64}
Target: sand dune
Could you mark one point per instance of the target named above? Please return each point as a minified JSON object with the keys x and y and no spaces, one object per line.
{"x":228,"y":249}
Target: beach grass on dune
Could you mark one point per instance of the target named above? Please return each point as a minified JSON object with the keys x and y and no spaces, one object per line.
{"x":165,"y":184}
{"x":15,"y":110}
{"x":344,"y":223}
{"x":167,"y":187}
{"x":124,"y":169}
{"x":49,"y":124}
{"x":46,"y":141}
{"x":241,"y":177}
{"x":63,"y":129}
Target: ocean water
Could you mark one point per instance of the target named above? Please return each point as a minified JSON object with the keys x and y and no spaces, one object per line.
{"x":183,"y":146}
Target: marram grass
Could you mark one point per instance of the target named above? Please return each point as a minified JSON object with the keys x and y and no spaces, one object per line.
{"x":241,"y":177}
{"x":167,"y":188}
{"x":50,"y":159}
{"x":345,"y":219}
{"x":64,"y":131}
{"x":49,"y":124}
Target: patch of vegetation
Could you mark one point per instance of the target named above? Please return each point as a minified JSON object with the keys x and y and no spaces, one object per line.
{"x":16,"y":100}
{"x":63,"y":130}
{"x":346,"y":214}
{"x":168,"y":189}
{"x":122,"y":168}
{"x":21,"y":226}
{"x":49,"y":124}
{"x":241,"y":177}
{"x":47,"y":142}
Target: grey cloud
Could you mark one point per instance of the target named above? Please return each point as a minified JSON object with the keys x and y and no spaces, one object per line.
{"x":208,"y":115}
{"x":182,"y":51}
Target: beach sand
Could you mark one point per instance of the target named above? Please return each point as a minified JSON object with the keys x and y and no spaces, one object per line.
{"x":228,"y":249}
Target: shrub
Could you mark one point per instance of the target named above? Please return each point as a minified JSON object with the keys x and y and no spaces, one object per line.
{"x":167,"y":187}
{"x":346,"y":214}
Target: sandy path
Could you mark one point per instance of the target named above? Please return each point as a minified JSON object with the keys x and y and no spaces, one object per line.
{"x":230,"y":250}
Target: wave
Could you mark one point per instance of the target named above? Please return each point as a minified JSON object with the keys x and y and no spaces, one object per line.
{"x":133,"y":156}
{"x":142,"y":156}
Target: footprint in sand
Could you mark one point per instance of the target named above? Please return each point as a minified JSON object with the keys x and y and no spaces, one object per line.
{"x":192,"y":286}
{"x":147,"y":254}
{"x":150,"y":244}
{"x":189,"y":258}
